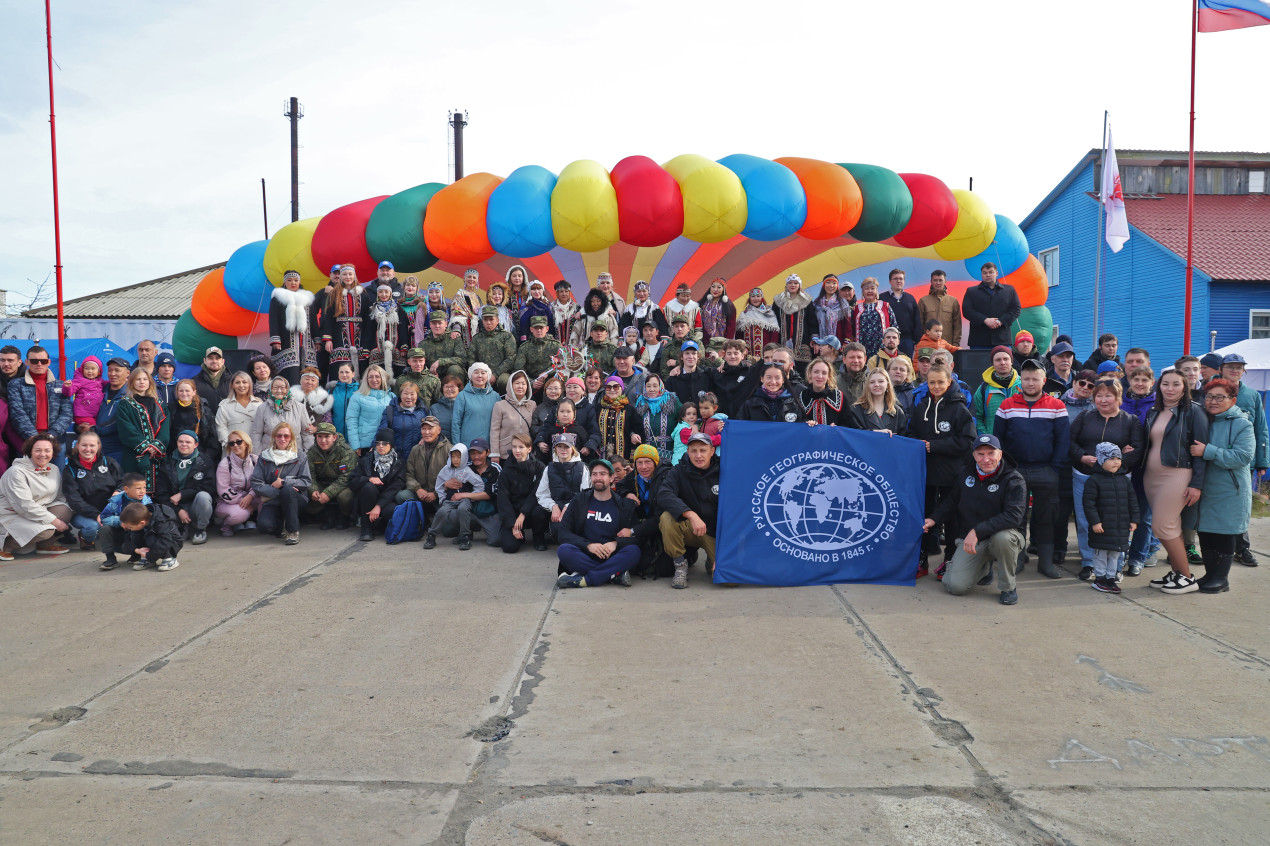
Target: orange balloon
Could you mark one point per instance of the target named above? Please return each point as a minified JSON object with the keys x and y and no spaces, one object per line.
{"x":1030,"y":283}
{"x":215,"y":311}
{"x":834,"y":201}
{"x":454,"y":225}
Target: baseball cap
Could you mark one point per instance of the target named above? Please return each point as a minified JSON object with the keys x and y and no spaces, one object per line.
{"x":925,"y":352}
{"x":326,"y":429}
{"x":1108,"y":367}
{"x":211,"y":350}
{"x":624,"y":352}
{"x":123,"y":362}
{"x":987,"y":440}
{"x":335,"y":268}
{"x":430,"y":421}
{"x":690,"y":345}
{"x":387,"y":264}
{"x":478,"y":443}
{"x":1061,"y":348}
{"x":1233,"y":358}
{"x":700,"y":438}
{"x":601,"y":462}
{"x":566,"y":438}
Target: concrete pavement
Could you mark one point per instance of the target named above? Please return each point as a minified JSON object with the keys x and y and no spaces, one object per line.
{"x":336,"y":692}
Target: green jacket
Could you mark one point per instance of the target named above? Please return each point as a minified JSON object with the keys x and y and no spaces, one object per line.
{"x":602,"y":354}
{"x":422,"y":469}
{"x":429,"y":386}
{"x":497,"y":349}
{"x":445,"y":351}
{"x":534,"y":356}
{"x":331,"y":470}
{"x":988,"y":397}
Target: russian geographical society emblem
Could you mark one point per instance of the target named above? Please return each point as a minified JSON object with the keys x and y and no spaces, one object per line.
{"x":824,"y":506}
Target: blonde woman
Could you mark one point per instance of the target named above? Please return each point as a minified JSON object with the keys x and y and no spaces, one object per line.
{"x":900,"y":369}
{"x":235,"y":502}
{"x":877,"y":409}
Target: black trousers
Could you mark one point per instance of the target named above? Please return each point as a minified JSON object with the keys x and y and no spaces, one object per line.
{"x":1042,"y":482}
{"x":1064,"y":509}
{"x":537,"y":523}
{"x":282,"y":513}
{"x":936,"y":494}
{"x":366,"y":498}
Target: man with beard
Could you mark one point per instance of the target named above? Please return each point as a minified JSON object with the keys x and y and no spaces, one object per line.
{"x":853,"y":375}
{"x":596,"y":541}
{"x":797,"y":317}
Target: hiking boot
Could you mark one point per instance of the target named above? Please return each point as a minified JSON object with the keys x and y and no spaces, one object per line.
{"x":1244,"y":557}
{"x":86,"y":545}
{"x":1009,"y":597}
{"x":987,"y":580}
{"x":168,"y":564}
{"x":200,"y":537}
{"x":109,"y":564}
{"x":571,"y":580}
{"x":52,"y":547}
{"x":1192,"y":555}
{"x":623,"y":579}
{"x":465,"y":543}
{"x":292,"y":538}
{"x":680,"y":580}
{"x":1085,"y":574}
{"x":430,"y":542}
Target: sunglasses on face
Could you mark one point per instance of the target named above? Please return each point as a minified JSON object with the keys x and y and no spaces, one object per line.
{"x":235,"y":443}
{"x":1084,"y":384}
{"x":37,"y":361}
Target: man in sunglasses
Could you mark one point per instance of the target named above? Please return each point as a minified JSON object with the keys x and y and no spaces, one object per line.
{"x":36,"y":403}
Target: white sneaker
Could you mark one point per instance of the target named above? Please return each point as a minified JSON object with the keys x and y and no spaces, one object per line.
{"x":140,"y":565}
{"x":1181,"y":584}
{"x":168,"y":564}
{"x":1166,"y":580}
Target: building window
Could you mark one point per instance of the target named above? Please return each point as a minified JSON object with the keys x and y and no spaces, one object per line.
{"x":1259,"y":323}
{"x":1257,"y":182}
{"x":1049,"y":261}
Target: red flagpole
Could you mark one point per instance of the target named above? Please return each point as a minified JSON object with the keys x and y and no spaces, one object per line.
{"x":57,"y":226}
{"x":1190,"y":191}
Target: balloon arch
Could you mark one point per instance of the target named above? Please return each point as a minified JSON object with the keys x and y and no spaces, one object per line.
{"x":748,"y":220}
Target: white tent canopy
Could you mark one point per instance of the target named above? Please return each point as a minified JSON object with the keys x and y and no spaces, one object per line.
{"x":1256,"y":351}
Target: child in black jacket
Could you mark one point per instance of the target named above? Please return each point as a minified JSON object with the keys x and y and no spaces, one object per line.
{"x":943,"y":422}
{"x":153,"y":536}
{"x":1111,"y":507}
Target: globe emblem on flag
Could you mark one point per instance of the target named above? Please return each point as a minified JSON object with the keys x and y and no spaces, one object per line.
{"x":824,"y":507}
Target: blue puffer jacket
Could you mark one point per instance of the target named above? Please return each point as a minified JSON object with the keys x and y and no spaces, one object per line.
{"x":1225,"y":504}
{"x":22,"y":406}
{"x":341,"y":393}
{"x":404,"y":423}
{"x":473,"y":412}
{"x":363,"y":416}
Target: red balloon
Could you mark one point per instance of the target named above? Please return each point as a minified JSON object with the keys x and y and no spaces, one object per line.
{"x":650,"y":206}
{"x":340,"y":238}
{"x":934,"y":212}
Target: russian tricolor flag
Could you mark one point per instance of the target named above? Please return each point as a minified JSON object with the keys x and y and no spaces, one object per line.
{"x":1220,"y":15}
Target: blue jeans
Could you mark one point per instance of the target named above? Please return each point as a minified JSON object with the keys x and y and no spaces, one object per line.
{"x":88,"y":529}
{"x":597,"y":572}
{"x":1144,"y":544}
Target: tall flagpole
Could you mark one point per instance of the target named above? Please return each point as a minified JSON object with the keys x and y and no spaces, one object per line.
{"x":1102,"y":162}
{"x":57,"y":227}
{"x":1190,"y":192}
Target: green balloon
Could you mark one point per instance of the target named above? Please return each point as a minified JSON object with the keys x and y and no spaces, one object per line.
{"x":1038,"y":321}
{"x":888,"y":204}
{"x":395,"y":230}
{"x":190,"y":341}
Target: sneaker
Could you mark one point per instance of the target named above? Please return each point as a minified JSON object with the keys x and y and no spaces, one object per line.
{"x":227,"y":531}
{"x":1154,"y":559}
{"x":1009,"y":597}
{"x":1134,"y":568}
{"x":623,"y":579}
{"x":1119,"y":577}
{"x":5,"y":555}
{"x":987,"y":580}
{"x":571,"y":580}
{"x":140,"y":565}
{"x":200,"y":537}
{"x":50,"y":547}
{"x":922,"y":571}
{"x":292,"y":538}
{"x":1105,"y":586}
{"x":1244,"y":557}
{"x":249,"y":526}
{"x":943,"y":568}
{"x":680,"y":580}
{"x":108,"y":564}
{"x":465,"y":543}
{"x":1085,"y":574}
{"x":430,"y":542}
{"x":1192,"y":555}
{"x":168,"y":564}
{"x":1166,"y":580}
{"x":1182,"y":584}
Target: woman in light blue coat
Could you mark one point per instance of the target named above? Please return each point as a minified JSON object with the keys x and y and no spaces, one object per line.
{"x":474,"y":408}
{"x":366,"y":409}
{"x":1225,"y":504}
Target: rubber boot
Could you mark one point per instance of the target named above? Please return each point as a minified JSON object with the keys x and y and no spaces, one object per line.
{"x":1045,"y":562}
{"x":1215,"y":578}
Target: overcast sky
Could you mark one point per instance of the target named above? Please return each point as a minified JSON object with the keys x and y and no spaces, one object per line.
{"x":169,"y":113}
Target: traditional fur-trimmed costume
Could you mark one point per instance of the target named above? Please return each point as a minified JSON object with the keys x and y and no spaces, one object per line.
{"x":758,"y":327}
{"x":290,"y":332}
{"x":797,"y":318}
{"x":617,"y":422}
{"x":718,"y":317}
{"x":566,"y":315}
{"x":391,"y":343}
{"x":343,"y":316}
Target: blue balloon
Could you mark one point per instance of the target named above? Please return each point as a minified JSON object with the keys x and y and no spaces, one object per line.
{"x":518,"y":217}
{"x":775,"y":198}
{"x":245,"y":279}
{"x":1008,"y":250}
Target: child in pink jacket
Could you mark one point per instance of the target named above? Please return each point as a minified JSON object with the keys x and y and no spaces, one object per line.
{"x":89,"y":388}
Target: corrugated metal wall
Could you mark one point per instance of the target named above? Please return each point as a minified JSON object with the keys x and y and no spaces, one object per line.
{"x":1229,"y":304}
{"x":1142,"y":289}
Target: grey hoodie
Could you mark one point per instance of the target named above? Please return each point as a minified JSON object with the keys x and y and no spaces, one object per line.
{"x":464,"y":473}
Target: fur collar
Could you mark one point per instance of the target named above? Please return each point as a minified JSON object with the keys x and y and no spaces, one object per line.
{"x":320,"y":400}
{"x":786,"y":304}
{"x":296,"y":304}
{"x":758,"y":317}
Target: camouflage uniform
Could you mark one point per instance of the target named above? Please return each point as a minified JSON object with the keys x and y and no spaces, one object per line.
{"x":498,"y":350}
{"x":429,"y":386}
{"x":446,"y":353}
{"x":331,"y":471}
{"x":534,"y":355}
{"x":601,"y":354}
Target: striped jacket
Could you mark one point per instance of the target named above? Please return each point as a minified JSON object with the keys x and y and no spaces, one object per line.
{"x":1033,"y":433}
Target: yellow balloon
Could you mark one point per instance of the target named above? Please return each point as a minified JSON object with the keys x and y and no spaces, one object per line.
{"x":584,"y":208}
{"x":291,"y":248}
{"x":715,"y":208}
{"x":975,"y":229}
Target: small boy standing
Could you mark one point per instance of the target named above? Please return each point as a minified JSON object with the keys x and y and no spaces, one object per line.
{"x":154,"y":536}
{"x":1111,"y":507}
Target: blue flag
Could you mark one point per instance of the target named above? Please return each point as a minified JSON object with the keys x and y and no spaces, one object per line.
{"x":818,"y":505}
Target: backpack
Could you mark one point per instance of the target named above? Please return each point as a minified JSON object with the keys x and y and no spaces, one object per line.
{"x":406,"y":524}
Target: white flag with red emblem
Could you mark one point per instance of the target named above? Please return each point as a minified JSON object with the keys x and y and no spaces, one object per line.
{"x":1113,"y":199}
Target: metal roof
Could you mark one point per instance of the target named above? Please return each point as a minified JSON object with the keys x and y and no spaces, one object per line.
{"x":1232,"y":231}
{"x":165,"y":298}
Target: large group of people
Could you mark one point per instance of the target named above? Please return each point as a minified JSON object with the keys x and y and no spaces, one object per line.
{"x":597,"y":426}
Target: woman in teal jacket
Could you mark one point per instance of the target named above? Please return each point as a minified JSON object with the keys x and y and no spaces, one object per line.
{"x":474,"y":407}
{"x":366,"y":409}
{"x":1225,"y":505}
{"x":341,"y":391}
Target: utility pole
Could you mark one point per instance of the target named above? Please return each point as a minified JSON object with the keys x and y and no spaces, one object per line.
{"x":264,"y":206}
{"x":294,"y":112}
{"x":458,"y":120}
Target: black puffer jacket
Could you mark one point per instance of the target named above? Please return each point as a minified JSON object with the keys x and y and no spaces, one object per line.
{"x":732,"y":386}
{"x":1185,"y":426}
{"x":200,"y":479}
{"x":758,"y":408}
{"x":947,"y":425}
{"x":1111,"y":501}
{"x":687,"y":488}
{"x":988,"y":505}
{"x":88,"y":490}
{"x":518,"y":488}
{"x":1090,"y":428}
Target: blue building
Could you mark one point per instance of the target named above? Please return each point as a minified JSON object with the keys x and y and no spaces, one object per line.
{"x":1142,"y":292}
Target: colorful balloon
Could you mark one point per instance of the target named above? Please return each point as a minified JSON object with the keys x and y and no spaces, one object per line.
{"x":340,"y":238}
{"x":650,"y":206}
{"x":584,"y":208}
{"x":1037,"y":320}
{"x":975,"y":229}
{"x":1030,"y":282}
{"x":395,"y":230}
{"x":775,"y":203}
{"x":834,"y":201}
{"x":215,"y":311}
{"x":291,"y":248}
{"x":887,"y":203}
{"x":190,"y":340}
{"x":1008,"y":250}
{"x":519,"y":213}
{"x":714,"y":202}
{"x":245,"y":280}
{"x":454,"y":227}
{"x":934,"y":211}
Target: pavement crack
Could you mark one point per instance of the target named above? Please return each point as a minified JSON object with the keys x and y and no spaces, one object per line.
{"x":182,"y":768}
{"x":544,"y":836}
